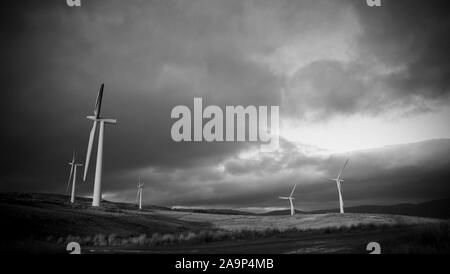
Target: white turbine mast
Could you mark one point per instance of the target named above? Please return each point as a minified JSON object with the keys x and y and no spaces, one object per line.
{"x":339,"y":181}
{"x":290,"y":198}
{"x":73,"y":171}
{"x":139,"y":194}
{"x":96,"y":197}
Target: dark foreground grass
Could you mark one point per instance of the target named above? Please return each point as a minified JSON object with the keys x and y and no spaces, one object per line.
{"x":419,"y":239}
{"x":203,"y":236}
{"x":422,"y":239}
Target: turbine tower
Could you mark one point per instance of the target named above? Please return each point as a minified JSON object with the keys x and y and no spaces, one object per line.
{"x":139,"y":194}
{"x":97,"y":196}
{"x":73,"y":171}
{"x":339,"y":181}
{"x":290,"y":198}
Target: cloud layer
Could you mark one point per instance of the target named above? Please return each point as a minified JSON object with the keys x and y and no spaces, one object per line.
{"x":318,"y":60}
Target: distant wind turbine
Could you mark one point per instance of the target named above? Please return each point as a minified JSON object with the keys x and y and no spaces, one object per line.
{"x":96,"y":197}
{"x":290,"y":198}
{"x":73,"y":171}
{"x":339,"y":181}
{"x":139,"y":194}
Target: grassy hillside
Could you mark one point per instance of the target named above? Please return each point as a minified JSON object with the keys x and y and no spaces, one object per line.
{"x":46,"y":222}
{"x":298,"y":221}
{"x":47,"y":217}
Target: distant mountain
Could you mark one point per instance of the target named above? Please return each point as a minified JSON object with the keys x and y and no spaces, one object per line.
{"x":432,"y":209}
{"x":282,"y":212}
{"x":214,"y":211}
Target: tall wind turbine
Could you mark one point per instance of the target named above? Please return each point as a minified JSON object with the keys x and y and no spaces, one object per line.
{"x":96,"y":197}
{"x":290,"y":198}
{"x":73,"y":171}
{"x":139,"y":194}
{"x":339,"y":181}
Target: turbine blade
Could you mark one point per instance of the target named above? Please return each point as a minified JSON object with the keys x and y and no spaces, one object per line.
{"x":70,"y":177}
{"x":98,"y":102}
{"x":137,"y":197}
{"x":342,"y":169}
{"x":293,"y":189}
{"x":89,"y":150}
{"x":284,"y":198}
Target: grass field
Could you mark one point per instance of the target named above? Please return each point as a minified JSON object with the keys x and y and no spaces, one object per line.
{"x":44,"y":223}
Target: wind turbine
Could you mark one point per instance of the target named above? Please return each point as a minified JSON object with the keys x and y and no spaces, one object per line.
{"x":73,"y":171}
{"x":339,"y":181}
{"x":139,"y":194}
{"x":290,"y":198}
{"x":96,"y":197}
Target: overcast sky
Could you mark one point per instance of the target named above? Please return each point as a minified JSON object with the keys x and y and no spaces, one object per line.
{"x":369,"y":84}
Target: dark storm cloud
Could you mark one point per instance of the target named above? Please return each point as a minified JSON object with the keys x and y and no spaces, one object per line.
{"x":414,"y":34}
{"x":400,"y":63}
{"x":154,"y":55}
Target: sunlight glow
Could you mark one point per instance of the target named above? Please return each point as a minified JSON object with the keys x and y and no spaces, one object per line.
{"x":343,"y":134}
